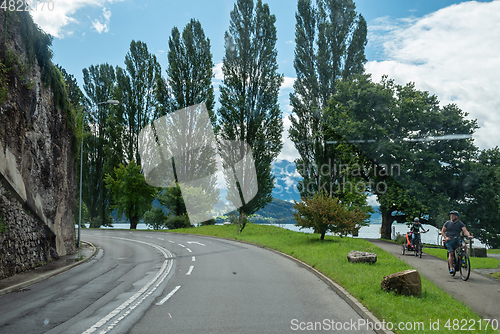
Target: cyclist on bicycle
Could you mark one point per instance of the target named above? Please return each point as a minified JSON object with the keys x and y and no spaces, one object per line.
{"x":451,"y":233}
{"x":415,"y":231}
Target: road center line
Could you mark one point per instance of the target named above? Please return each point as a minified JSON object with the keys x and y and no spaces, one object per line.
{"x":167,"y":297}
{"x":190,"y":270}
{"x":190,"y":251}
{"x":196,"y":242}
{"x":193,"y":259}
{"x":182,"y":245}
{"x":160,"y":277}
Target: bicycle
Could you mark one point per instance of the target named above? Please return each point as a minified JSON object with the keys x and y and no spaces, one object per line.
{"x":461,"y":261}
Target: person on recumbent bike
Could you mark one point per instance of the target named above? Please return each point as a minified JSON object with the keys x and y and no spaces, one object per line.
{"x":415,"y":231}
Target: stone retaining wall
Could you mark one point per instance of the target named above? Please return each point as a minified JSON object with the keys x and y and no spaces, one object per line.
{"x":25,"y":241}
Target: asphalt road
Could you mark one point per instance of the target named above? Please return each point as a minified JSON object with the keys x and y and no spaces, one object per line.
{"x":143,"y":282}
{"x":480,"y":293}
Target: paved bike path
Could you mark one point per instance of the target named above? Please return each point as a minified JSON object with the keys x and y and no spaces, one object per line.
{"x":480,"y":293}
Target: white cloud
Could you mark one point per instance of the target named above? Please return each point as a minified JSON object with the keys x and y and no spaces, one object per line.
{"x":219,"y":75}
{"x":289,"y":152}
{"x":56,"y":21}
{"x":99,"y":26}
{"x":287,"y":83}
{"x":452,"y":53}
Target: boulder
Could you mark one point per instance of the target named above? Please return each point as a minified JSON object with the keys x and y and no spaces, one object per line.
{"x":406,"y":283}
{"x":356,"y":256}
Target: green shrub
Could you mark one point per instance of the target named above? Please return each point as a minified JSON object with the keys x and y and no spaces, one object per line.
{"x":326,"y":214}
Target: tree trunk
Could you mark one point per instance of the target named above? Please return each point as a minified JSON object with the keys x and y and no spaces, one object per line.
{"x":133,"y":222}
{"x":387,"y":219}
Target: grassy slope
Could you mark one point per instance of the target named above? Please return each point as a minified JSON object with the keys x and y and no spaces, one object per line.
{"x":361,"y":280}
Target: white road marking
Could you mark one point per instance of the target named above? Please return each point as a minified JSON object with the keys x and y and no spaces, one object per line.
{"x":195,"y":242}
{"x":171,"y":241}
{"x":193,"y":259}
{"x":190,"y":270}
{"x":160,"y":239}
{"x":190,"y":251}
{"x":158,"y":279}
{"x":182,"y":245}
{"x":167,"y":297}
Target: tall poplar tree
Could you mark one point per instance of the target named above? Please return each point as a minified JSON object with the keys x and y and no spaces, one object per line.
{"x":249,"y":109}
{"x":330,"y":41}
{"x":138,"y":85}
{"x":190,"y":67}
{"x":99,"y":85}
{"x":189,"y":76}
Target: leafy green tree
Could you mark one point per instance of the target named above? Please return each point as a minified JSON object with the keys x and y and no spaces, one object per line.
{"x":155,"y":218}
{"x":75,"y":94}
{"x":99,"y":85}
{"x":138,"y":86}
{"x":189,"y":76}
{"x":330,"y":39}
{"x":483,"y":197}
{"x":396,"y":132}
{"x":190,"y":68}
{"x":175,"y":222}
{"x":249,"y":111}
{"x":326,"y":214}
{"x":132,"y":196}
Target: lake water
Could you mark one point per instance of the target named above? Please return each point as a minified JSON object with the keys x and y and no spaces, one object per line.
{"x":366,"y":232}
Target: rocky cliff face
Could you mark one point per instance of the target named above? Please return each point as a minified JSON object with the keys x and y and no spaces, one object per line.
{"x":37,"y":172}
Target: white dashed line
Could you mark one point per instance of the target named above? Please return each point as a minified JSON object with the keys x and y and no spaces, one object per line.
{"x":182,"y":245}
{"x":193,"y":259}
{"x":167,"y":297}
{"x":190,"y":270}
{"x":196,"y":242}
{"x":190,"y":251}
{"x":160,"y":239}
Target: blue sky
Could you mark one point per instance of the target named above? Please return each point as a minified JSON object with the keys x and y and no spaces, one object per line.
{"x":449,"y":48}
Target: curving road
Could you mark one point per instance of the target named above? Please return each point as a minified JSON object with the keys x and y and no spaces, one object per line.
{"x":143,"y":282}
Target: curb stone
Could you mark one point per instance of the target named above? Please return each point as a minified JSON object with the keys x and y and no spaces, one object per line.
{"x":49,"y":274}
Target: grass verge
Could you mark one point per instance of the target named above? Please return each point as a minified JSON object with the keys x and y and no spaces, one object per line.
{"x":475,"y":262}
{"x":361,"y":280}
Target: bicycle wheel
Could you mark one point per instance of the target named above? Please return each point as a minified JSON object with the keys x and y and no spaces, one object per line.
{"x":465,"y":267}
{"x":403,"y":250}
{"x":420,"y":250}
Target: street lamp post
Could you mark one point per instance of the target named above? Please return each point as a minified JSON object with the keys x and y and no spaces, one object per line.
{"x":113,"y":102}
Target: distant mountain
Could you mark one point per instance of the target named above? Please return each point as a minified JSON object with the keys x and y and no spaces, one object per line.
{"x":278,"y":211}
{"x":287,"y":182}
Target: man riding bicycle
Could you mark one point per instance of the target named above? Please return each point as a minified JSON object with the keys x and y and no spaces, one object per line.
{"x":415,"y":231}
{"x":451,"y":233}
